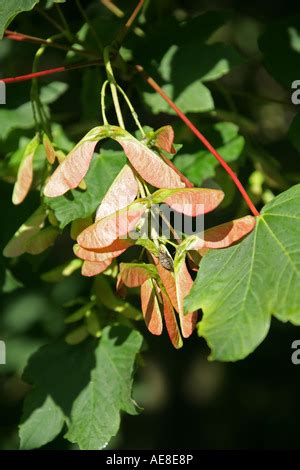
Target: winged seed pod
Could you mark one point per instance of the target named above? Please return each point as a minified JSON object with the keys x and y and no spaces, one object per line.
{"x":18,"y":243}
{"x":115,"y":226}
{"x":189,"y":201}
{"x":145,"y":161}
{"x":25,"y":172}
{"x":164,"y":138}
{"x":92,"y":268}
{"x":224,"y":235}
{"x":171,"y":322}
{"x":151,"y":308}
{"x":121,"y":193}
{"x":49,"y":149}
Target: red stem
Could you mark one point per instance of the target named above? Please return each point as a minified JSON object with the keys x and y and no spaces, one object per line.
{"x":200,"y":136}
{"x":42,"y":73}
{"x":124,"y":30}
{"x":134,"y":14}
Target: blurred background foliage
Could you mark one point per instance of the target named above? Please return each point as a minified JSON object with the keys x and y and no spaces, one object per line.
{"x":231,"y":68}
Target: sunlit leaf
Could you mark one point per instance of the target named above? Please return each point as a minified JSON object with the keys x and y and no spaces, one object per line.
{"x":8,"y":11}
{"x":201,"y":165}
{"x":80,"y":383}
{"x":249,"y":282}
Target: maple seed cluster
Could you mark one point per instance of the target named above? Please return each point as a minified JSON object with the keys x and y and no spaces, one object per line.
{"x":164,"y":281}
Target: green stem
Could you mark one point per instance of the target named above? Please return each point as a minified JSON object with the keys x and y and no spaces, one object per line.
{"x":34,"y":94}
{"x":103,"y":89}
{"x":132,"y":110}
{"x":113,"y":86}
{"x":39,"y":113}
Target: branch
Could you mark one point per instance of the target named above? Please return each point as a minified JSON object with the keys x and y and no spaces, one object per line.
{"x":120,"y":14}
{"x":124,"y":30}
{"x":42,"y":73}
{"x":15,"y":36}
{"x":200,"y":136}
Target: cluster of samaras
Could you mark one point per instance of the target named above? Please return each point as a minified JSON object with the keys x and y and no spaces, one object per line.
{"x":164,"y":281}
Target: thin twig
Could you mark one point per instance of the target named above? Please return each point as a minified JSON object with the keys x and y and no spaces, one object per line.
{"x":132,"y":110}
{"x":120,"y":14}
{"x":113,"y":86}
{"x":15,"y":36}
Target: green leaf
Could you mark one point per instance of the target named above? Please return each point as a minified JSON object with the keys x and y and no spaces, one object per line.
{"x":19,"y":118}
{"x":78,"y":204}
{"x":49,"y":403}
{"x":85,"y":386}
{"x":60,"y":138}
{"x":39,"y":410}
{"x":216,"y":61}
{"x":201,"y":165}
{"x":95,"y":416}
{"x":10,"y":9}
{"x":189,"y":62}
{"x":52,"y":92}
{"x":195,"y":97}
{"x":239,"y":288}
{"x":22,"y":117}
